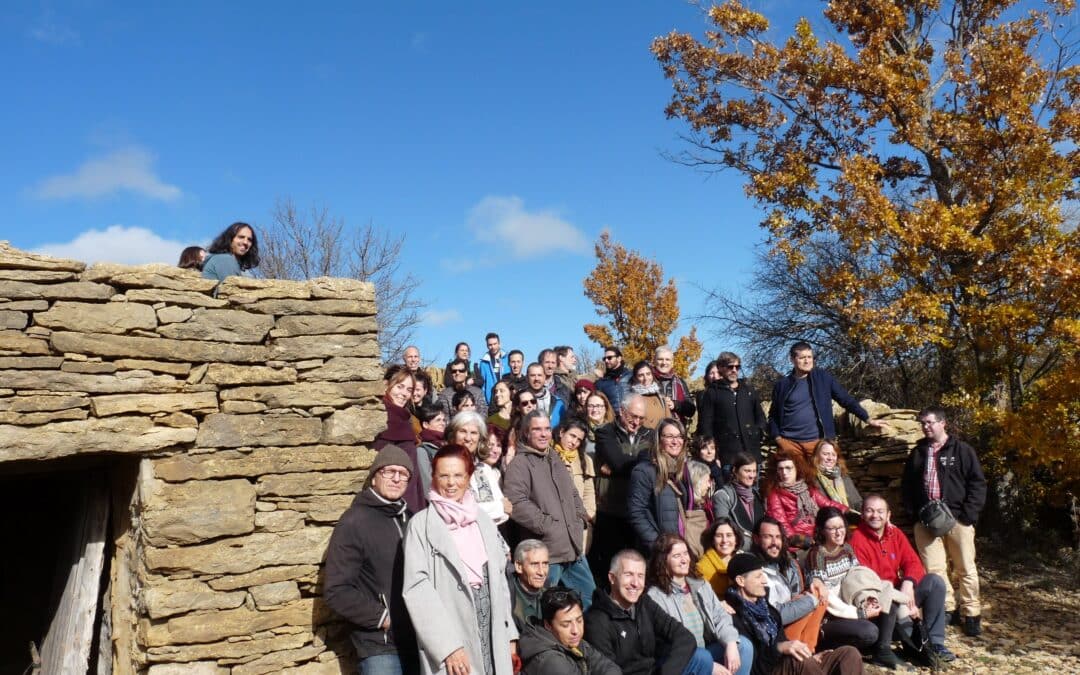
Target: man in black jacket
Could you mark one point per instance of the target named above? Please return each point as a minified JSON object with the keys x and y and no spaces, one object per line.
{"x":630,"y":628}
{"x":363,"y":570}
{"x":558,"y":646}
{"x":731,"y":414}
{"x":946,"y":468}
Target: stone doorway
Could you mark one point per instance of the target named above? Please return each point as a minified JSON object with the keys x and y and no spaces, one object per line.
{"x":54,"y":570}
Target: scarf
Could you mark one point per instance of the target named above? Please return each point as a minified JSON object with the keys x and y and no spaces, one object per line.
{"x":399,"y":424}
{"x":569,"y":457}
{"x":833,"y":483}
{"x":807,"y":507}
{"x":460,"y":519}
{"x":432,"y":436}
{"x":756,"y":615}
{"x":746,"y":498}
{"x":653,"y":388}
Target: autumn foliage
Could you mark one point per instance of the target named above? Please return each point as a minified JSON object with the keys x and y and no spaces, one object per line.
{"x":934,"y":144}
{"x":642,"y":308}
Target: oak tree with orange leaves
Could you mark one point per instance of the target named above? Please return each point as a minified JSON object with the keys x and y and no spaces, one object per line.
{"x":642,"y":308}
{"x":936,"y":144}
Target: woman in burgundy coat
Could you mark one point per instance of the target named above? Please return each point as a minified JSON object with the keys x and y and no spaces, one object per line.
{"x":402,"y":429}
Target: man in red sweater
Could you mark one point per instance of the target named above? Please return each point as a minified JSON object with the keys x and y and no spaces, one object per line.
{"x":881,"y":546}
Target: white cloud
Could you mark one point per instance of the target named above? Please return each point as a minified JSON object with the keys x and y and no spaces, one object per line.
{"x":130,"y":168}
{"x":53,"y":32}
{"x":441,"y":317}
{"x":457,"y":266}
{"x":118,"y":244}
{"x":505,"y":222}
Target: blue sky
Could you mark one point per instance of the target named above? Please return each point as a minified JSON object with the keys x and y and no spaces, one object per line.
{"x":501,"y":138}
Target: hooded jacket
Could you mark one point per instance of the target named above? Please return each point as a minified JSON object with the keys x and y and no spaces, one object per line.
{"x":726,"y":504}
{"x":545,"y":502}
{"x":963,"y":485}
{"x":485,"y":368}
{"x":542,"y":654}
{"x":615,"y":384}
{"x":824,"y":389}
{"x":634,"y":640}
{"x":363,"y":576}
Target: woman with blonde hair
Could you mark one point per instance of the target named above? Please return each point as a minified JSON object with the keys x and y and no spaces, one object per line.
{"x":402,"y":429}
{"x":832,"y":475}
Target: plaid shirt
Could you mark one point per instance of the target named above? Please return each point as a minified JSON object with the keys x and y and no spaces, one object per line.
{"x":930,"y":477}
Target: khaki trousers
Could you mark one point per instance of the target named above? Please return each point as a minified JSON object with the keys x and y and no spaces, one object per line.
{"x":804,"y":448}
{"x":956,"y":547}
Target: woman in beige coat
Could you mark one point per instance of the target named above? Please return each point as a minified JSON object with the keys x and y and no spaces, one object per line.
{"x":570,"y":446}
{"x":455,"y":585}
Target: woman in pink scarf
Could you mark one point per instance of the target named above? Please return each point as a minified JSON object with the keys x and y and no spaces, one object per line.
{"x":454,"y":587}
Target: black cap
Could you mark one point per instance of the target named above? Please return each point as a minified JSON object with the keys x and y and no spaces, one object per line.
{"x":741,"y":563}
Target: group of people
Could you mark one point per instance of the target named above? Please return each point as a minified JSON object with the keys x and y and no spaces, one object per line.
{"x":231,"y":253}
{"x":525,"y":518}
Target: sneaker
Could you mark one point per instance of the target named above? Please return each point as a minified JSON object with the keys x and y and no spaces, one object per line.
{"x":943,"y":653}
{"x":972,"y":626}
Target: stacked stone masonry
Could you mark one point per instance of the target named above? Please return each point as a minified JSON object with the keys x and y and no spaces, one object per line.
{"x":249,"y":415}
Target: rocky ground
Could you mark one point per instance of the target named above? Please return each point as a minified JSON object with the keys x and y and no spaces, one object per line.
{"x":1031,"y":620}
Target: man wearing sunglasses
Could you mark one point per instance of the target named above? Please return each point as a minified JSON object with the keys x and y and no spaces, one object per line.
{"x":731,"y":414}
{"x":364,"y":568}
{"x":459,"y":376}
{"x":615,"y":382}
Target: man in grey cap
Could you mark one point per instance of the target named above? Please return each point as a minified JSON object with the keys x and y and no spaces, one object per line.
{"x":364,"y":568}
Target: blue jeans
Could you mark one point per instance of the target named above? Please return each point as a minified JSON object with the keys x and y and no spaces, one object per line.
{"x":576,"y":576}
{"x":701,"y":663}
{"x":746,"y":654}
{"x":382,"y":664}
{"x":930,"y":599}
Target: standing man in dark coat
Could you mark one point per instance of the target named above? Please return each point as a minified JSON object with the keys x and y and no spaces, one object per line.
{"x":946,"y":468}
{"x":731,"y":414}
{"x":615,"y":382}
{"x":364,"y":562}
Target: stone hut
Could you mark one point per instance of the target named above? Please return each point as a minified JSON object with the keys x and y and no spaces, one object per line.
{"x":172,"y":464}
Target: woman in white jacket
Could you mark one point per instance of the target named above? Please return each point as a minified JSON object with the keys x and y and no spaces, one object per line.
{"x":467,"y":428}
{"x":455,"y":585}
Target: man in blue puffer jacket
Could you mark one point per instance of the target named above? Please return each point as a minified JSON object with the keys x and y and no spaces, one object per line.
{"x":492,"y":366}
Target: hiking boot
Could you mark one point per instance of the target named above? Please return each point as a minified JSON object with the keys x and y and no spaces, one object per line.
{"x":943,"y":653}
{"x":972,"y":626}
{"x":954,"y":618}
{"x":886,"y":658}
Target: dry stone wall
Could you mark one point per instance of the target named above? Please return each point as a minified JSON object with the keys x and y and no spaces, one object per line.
{"x":247,"y":415}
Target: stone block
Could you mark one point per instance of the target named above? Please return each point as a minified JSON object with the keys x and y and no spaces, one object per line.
{"x":176,"y":420}
{"x":15,"y":342}
{"x":179,"y":369}
{"x":29,"y":419}
{"x":303,"y":395}
{"x":16,"y":259}
{"x":91,"y":368}
{"x":277,"y":593}
{"x":262,"y":461}
{"x":301,"y":324}
{"x":172,"y":314}
{"x":220,"y":325}
{"x":278,"y":521}
{"x":229,"y":649}
{"x":119,"y":404}
{"x":188,"y":513}
{"x":229,"y":374}
{"x":13,"y":320}
{"x":217,"y":625}
{"x":193,"y":668}
{"x":44,"y":402}
{"x":276,"y":661}
{"x":233,"y":431}
{"x":320,"y":509}
{"x":158,"y":275}
{"x":94,"y":384}
{"x":30,"y":362}
{"x":321,"y":346}
{"x":249,"y":289}
{"x":25,"y":306}
{"x":345,"y":368}
{"x":304,"y":484}
{"x":353,"y":426}
{"x":167,"y":597}
{"x":115,"y":318}
{"x":181,"y":298}
{"x":266,"y":575}
{"x":43,"y":276}
{"x":93,"y":436}
{"x":191,"y":351}
{"x":72,"y":290}
{"x":340,"y":287}
{"x":238,"y":555}
{"x":242,"y":407}
{"x":333,"y":307}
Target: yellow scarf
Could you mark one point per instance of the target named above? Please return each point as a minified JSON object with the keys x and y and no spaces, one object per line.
{"x":568,"y":456}
{"x":834,"y":487}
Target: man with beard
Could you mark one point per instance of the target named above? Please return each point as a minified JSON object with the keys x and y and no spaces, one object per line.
{"x":566,"y":368}
{"x":680,"y":402}
{"x":615,"y":382}
{"x":760,"y":622}
{"x":619,"y":446}
{"x":801,"y":609}
{"x":364,"y":563}
{"x":731,"y":414}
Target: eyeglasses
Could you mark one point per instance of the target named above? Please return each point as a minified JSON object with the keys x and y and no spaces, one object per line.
{"x":595,"y":406}
{"x":671,"y":437}
{"x":457,"y":370}
{"x":636,"y":418}
{"x":732,"y":366}
{"x":610,"y":357}
{"x":394,"y":474}
{"x":836,"y":529}
{"x":524,"y":402}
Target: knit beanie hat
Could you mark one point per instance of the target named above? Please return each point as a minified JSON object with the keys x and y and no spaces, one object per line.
{"x":390,"y":455}
{"x":741,"y":563}
{"x":584,"y":384}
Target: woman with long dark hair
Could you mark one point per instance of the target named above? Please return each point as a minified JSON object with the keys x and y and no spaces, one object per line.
{"x":570,"y":445}
{"x":232,"y":252}
{"x":191,"y":258}
{"x":644,"y":382}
